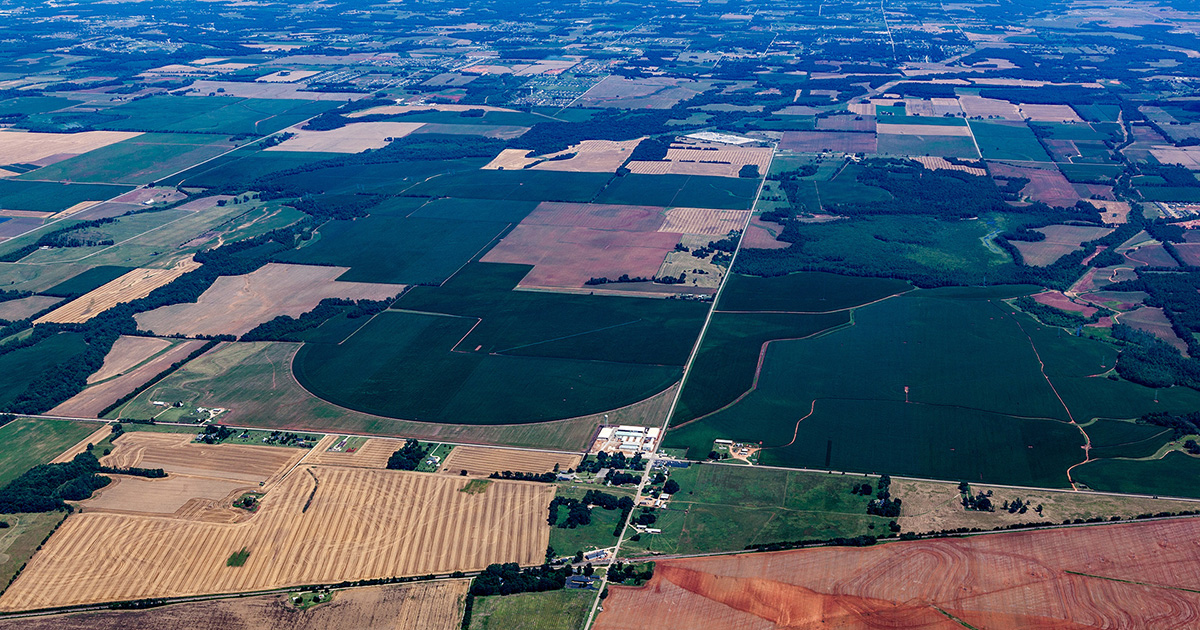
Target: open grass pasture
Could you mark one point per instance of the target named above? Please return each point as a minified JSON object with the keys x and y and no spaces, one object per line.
{"x":53,"y":196}
{"x":139,"y":160}
{"x":1008,"y":141}
{"x":32,"y":441}
{"x":227,"y":115}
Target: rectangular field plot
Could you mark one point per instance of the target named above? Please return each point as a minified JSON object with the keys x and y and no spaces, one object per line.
{"x":485,"y":461}
{"x":373,"y":453}
{"x":132,"y":362}
{"x":388,"y":249}
{"x":134,"y":285}
{"x":138,"y":160}
{"x":320,"y":525}
{"x":821,"y":141}
{"x":523,"y":185}
{"x":53,"y":196}
{"x":420,"y":606}
{"x":20,"y":368}
{"x":35,"y":441}
{"x":1008,"y":141}
{"x":1070,"y":578}
{"x":688,"y":191}
{"x":960,"y":146}
{"x":34,"y":148}
{"x":234,"y":305}
{"x":239,"y":168}
{"x":226,"y":115}
{"x":352,"y":138}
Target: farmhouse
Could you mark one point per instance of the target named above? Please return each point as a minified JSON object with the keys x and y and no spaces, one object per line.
{"x":627,"y":439}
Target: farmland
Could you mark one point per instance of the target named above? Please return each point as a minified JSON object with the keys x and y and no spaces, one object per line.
{"x":132,"y":286}
{"x":485,"y":461}
{"x":138,"y":160}
{"x":36,"y":441}
{"x":154,"y":560}
{"x":419,"y":606}
{"x":559,"y":610}
{"x":132,"y":362}
{"x":1016,"y":580}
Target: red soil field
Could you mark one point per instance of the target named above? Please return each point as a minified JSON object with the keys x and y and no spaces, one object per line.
{"x":1045,"y":185}
{"x":597,"y":215}
{"x":761,"y":235}
{"x":1153,"y":255}
{"x":818,"y":141}
{"x":1117,"y":300}
{"x":1190,"y":252}
{"x":1155,"y":322}
{"x":1129,"y":575}
{"x":566,"y":257}
{"x":1063,"y":303}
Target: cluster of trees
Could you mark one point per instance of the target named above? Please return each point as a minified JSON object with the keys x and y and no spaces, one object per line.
{"x":548,"y":477}
{"x":617,"y":478}
{"x":46,"y":487}
{"x":651,"y":150}
{"x":1057,"y":317}
{"x":645,"y":517}
{"x":624,"y":278}
{"x":630,"y":574}
{"x":865,"y":540}
{"x":336,"y":118}
{"x":917,"y":190}
{"x":1182,"y":424}
{"x":578,"y":513}
{"x":864,"y":489}
{"x":1178,"y":294}
{"x":616,"y":462}
{"x":214,"y":434}
{"x":1147,"y":360}
{"x":981,"y":502}
{"x":510,"y":578}
{"x":13,"y":295}
{"x":71,"y":236}
{"x":287,"y":328}
{"x":408,"y":457}
{"x":609,"y":124}
{"x":883,"y":504}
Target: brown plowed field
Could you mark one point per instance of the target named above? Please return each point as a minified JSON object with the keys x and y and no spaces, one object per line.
{"x":569,"y":243}
{"x":1057,"y":300}
{"x":838,"y":141}
{"x":1154,"y":321}
{"x":591,"y":156}
{"x":359,"y":524}
{"x":177,"y":454}
{"x":234,"y":305}
{"x":1046,"y":185}
{"x":1154,"y":255}
{"x":761,"y":235}
{"x":1130,"y":575}
{"x":126,"y":353}
{"x":13,"y":310}
{"x":846,"y":122}
{"x":418,"y":606}
{"x":91,"y":401}
{"x":134,"y":285}
{"x":485,"y":461}
{"x":374,"y":453}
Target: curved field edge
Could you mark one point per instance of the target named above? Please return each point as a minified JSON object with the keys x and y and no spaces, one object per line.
{"x":254,"y":382}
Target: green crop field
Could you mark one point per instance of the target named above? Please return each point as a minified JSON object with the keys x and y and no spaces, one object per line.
{"x":552,"y":610}
{"x":382,"y":248}
{"x":811,"y":292}
{"x":21,"y":367}
{"x":1070,"y":131}
{"x":88,"y":280}
{"x":1090,"y":172}
{"x":1098,"y":113}
{"x":935,"y":145}
{"x":53,"y":196}
{"x":980,"y":410}
{"x":689,"y":191}
{"x":28,"y":442}
{"x":474,"y":210}
{"x":402,"y":365}
{"x":243,"y":166}
{"x":726,"y":508}
{"x":514,"y":185}
{"x":138,"y":160}
{"x":1008,"y":141}
{"x":1174,"y":475}
{"x":917,"y":247}
{"x":388,"y":178}
{"x":33,"y":104}
{"x":1118,"y":438}
{"x":23,"y":538}
{"x":225,"y":115}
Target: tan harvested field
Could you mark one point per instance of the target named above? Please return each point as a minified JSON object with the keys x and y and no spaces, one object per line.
{"x":138,"y":495}
{"x":234,"y":305}
{"x":477,"y":460}
{"x":353,"y":138}
{"x":1049,"y":113}
{"x":701,"y":273}
{"x":988,"y":107}
{"x":176,"y":453}
{"x":417,"y":606}
{"x":1112,"y":212}
{"x":940,"y":163}
{"x":14,"y":310}
{"x":25,"y":214}
{"x":95,"y":438}
{"x":102,"y":392}
{"x":20,"y":147}
{"x":705,"y":158}
{"x":703,"y":221}
{"x":359,"y":524}
{"x":1187,"y":158}
{"x":761,"y":235}
{"x":75,"y":209}
{"x":591,"y":156}
{"x":126,"y":354}
{"x":931,"y":506}
{"x":924,"y":130}
{"x":510,"y":160}
{"x":134,"y":285}
{"x":374,"y":453}
{"x":1129,"y":575}
{"x":288,"y":91}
